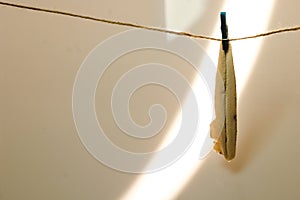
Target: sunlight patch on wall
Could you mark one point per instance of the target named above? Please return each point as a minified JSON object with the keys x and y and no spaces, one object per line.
{"x":243,"y":19}
{"x":165,"y":184}
{"x":246,"y":18}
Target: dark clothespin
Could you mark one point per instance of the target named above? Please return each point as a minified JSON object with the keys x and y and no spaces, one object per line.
{"x":224,"y":30}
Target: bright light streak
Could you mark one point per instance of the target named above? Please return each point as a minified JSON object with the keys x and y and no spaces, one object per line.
{"x":246,"y":18}
{"x":165,"y":183}
{"x":243,"y":18}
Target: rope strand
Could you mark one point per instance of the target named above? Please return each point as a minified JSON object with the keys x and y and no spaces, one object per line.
{"x":296,"y":28}
{"x":57,"y":12}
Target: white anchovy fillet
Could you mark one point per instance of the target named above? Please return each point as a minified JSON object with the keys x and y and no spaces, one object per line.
{"x":224,"y":128}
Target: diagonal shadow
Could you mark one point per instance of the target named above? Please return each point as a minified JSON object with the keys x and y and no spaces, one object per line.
{"x":116,"y":136}
{"x":263,"y":103}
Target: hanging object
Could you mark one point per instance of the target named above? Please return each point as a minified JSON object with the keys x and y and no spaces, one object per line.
{"x":224,"y":127}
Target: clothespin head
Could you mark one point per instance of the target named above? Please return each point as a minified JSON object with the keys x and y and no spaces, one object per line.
{"x":224,"y":30}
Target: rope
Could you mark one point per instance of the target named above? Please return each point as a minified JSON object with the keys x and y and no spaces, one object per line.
{"x":127,"y":24}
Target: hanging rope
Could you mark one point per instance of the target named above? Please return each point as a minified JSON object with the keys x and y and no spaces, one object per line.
{"x":57,"y":12}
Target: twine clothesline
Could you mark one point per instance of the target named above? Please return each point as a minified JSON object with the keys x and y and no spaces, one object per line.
{"x":127,"y":24}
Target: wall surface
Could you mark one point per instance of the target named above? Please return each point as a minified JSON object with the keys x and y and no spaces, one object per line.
{"x":41,"y":155}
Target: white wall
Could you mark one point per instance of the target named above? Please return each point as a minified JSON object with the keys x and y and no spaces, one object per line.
{"x":41,"y":156}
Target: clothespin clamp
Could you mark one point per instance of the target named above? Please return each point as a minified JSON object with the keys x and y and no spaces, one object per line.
{"x":224,"y":30}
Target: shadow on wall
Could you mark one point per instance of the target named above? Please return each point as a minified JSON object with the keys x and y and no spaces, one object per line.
{"x":267,"y":101}
{"x":264,"y":102}
{"x":148,"y":95}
